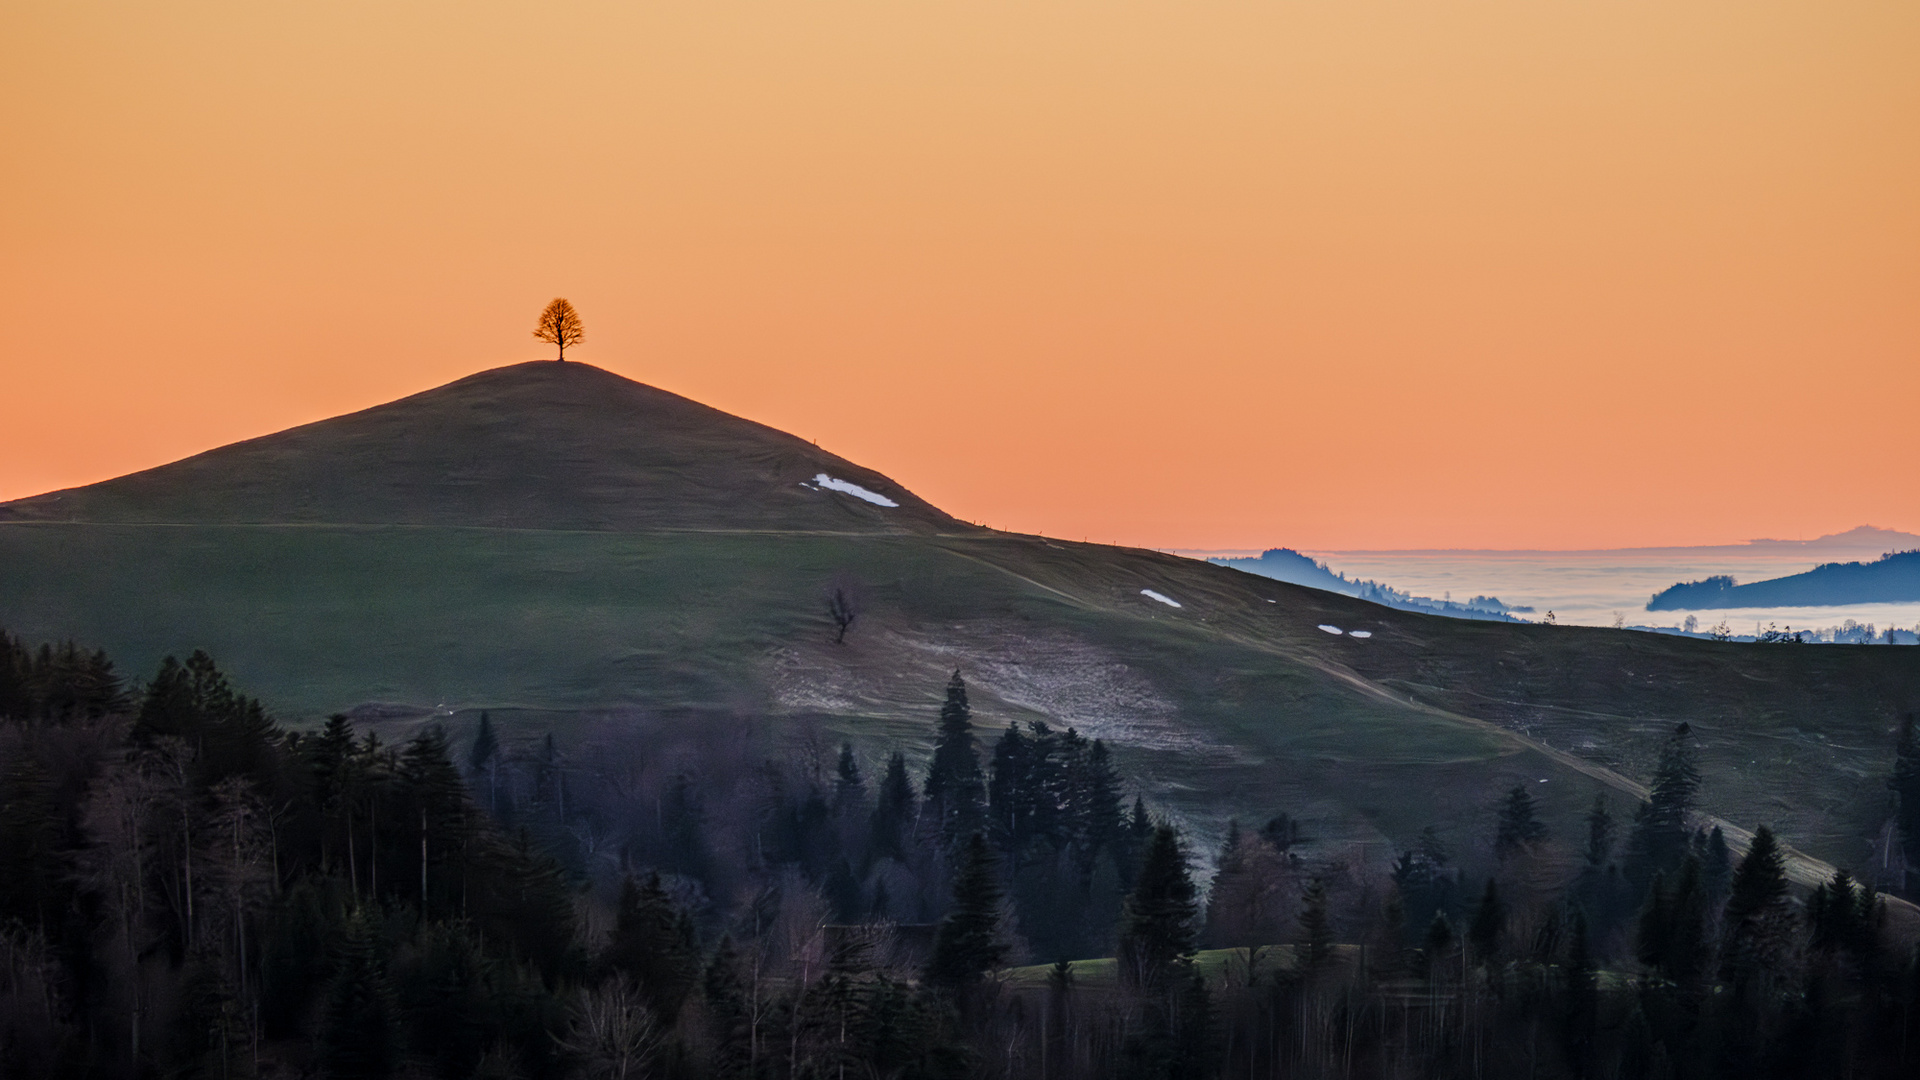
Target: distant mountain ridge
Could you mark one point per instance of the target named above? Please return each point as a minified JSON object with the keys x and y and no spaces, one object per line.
{"x":539,"y":445}
{"x":1286,"y":564}
{"x":1892,"y":579}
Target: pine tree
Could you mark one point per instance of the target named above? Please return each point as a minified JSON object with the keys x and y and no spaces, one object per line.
{"x":1599,"y":833}
{"x":955,"y":789}
{"x":1519,"y":828}
{"x":1157,"y":923}
{"x":967,"y":945}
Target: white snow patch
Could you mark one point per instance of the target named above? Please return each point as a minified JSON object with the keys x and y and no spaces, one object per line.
{"x":1331,"y":629}
{"x":854,"y":490}
{"x":1162,"y":597}
{"x":1360,"y":633}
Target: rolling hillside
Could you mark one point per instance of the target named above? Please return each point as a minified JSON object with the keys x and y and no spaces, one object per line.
{"x":566,"y":548}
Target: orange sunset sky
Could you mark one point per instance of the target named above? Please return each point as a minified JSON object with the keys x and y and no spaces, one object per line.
{"x":1326,"y":273}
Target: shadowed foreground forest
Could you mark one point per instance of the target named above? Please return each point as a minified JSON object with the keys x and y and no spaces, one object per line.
{"x":189,"y":890}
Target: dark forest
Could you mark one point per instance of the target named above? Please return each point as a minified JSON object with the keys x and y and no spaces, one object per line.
{"x":189,"y":889}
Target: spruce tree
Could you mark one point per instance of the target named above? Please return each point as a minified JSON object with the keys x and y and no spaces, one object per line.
{"x":359,"y":1032}
{"x":1316,"y":930}
{"x":1519,"y":829}
{"x":1660,"y":834}
{"x":729,"y":1013}
{"x":1749,"y":925}
{"x":967,"y":945}
{"x":849,"y":788}
{"x":1716,"y":867}
{"x":1157,"y":922}
{"x":1599,"y":833}
{"x":893,"y":814}
{"x":1672,"y":935}
{"x":955,"y":789}
{"x":1096,"y":813}
{"x":485,"y":745}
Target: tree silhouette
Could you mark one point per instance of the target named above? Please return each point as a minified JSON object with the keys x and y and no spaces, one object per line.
{"x":560,"y":325}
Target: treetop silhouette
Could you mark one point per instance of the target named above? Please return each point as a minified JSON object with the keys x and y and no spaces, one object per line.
{"x":560,"y":325}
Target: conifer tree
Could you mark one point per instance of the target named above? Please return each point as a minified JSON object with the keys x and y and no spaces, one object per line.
{"x":1751,"y":922}
{"x":729,"y":1015}
{"x":968,"y":945}
{"x":1519,"y":829}
{"x":438,"y":798}
{"x":485,"y":745}
{"x":1672,"y":935}
{"x":1157,"y":923}
{"x":653,"y":942}
{"x":359,"y":1033}
{"x":849,"y":788}
{"x":894,"y":812}
{"x":1316,"y":930}
{"x":1599,"y":833}
{"x":1716,"y":867}
{"x":1007,"y":795}
{"x":1660,"y":835}
{"x":1095,"y":810}
{"x":955,"y":790}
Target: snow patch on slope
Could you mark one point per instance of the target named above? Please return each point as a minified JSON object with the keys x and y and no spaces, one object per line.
{"x":831,"y":484}
{"x":1162,"y":597}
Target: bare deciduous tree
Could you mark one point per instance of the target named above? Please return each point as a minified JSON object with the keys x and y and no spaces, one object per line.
{"x":560,"y":325}
{"x":613,"y":1036}
{"x":843,"y":606}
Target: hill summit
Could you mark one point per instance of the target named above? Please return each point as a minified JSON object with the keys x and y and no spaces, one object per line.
{"x":539,"y":445}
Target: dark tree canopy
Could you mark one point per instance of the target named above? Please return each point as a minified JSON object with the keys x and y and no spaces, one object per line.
{"x":968,"y":944}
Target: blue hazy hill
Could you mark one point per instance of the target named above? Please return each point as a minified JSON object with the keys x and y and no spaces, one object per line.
{"x":1892,"y":578}
{"x":1286,"y":564}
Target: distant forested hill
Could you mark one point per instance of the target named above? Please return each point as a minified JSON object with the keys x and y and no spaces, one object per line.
{"x":1286,"y":564}
{"x":1890,"y":579}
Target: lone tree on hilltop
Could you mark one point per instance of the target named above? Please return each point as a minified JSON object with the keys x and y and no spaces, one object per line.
{"x":560,"y":325}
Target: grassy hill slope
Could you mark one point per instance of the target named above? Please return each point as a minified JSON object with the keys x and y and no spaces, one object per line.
{"x":564,"y":547}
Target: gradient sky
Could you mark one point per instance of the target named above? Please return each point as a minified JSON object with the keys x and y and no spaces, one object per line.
{"x":1327,"y":273}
